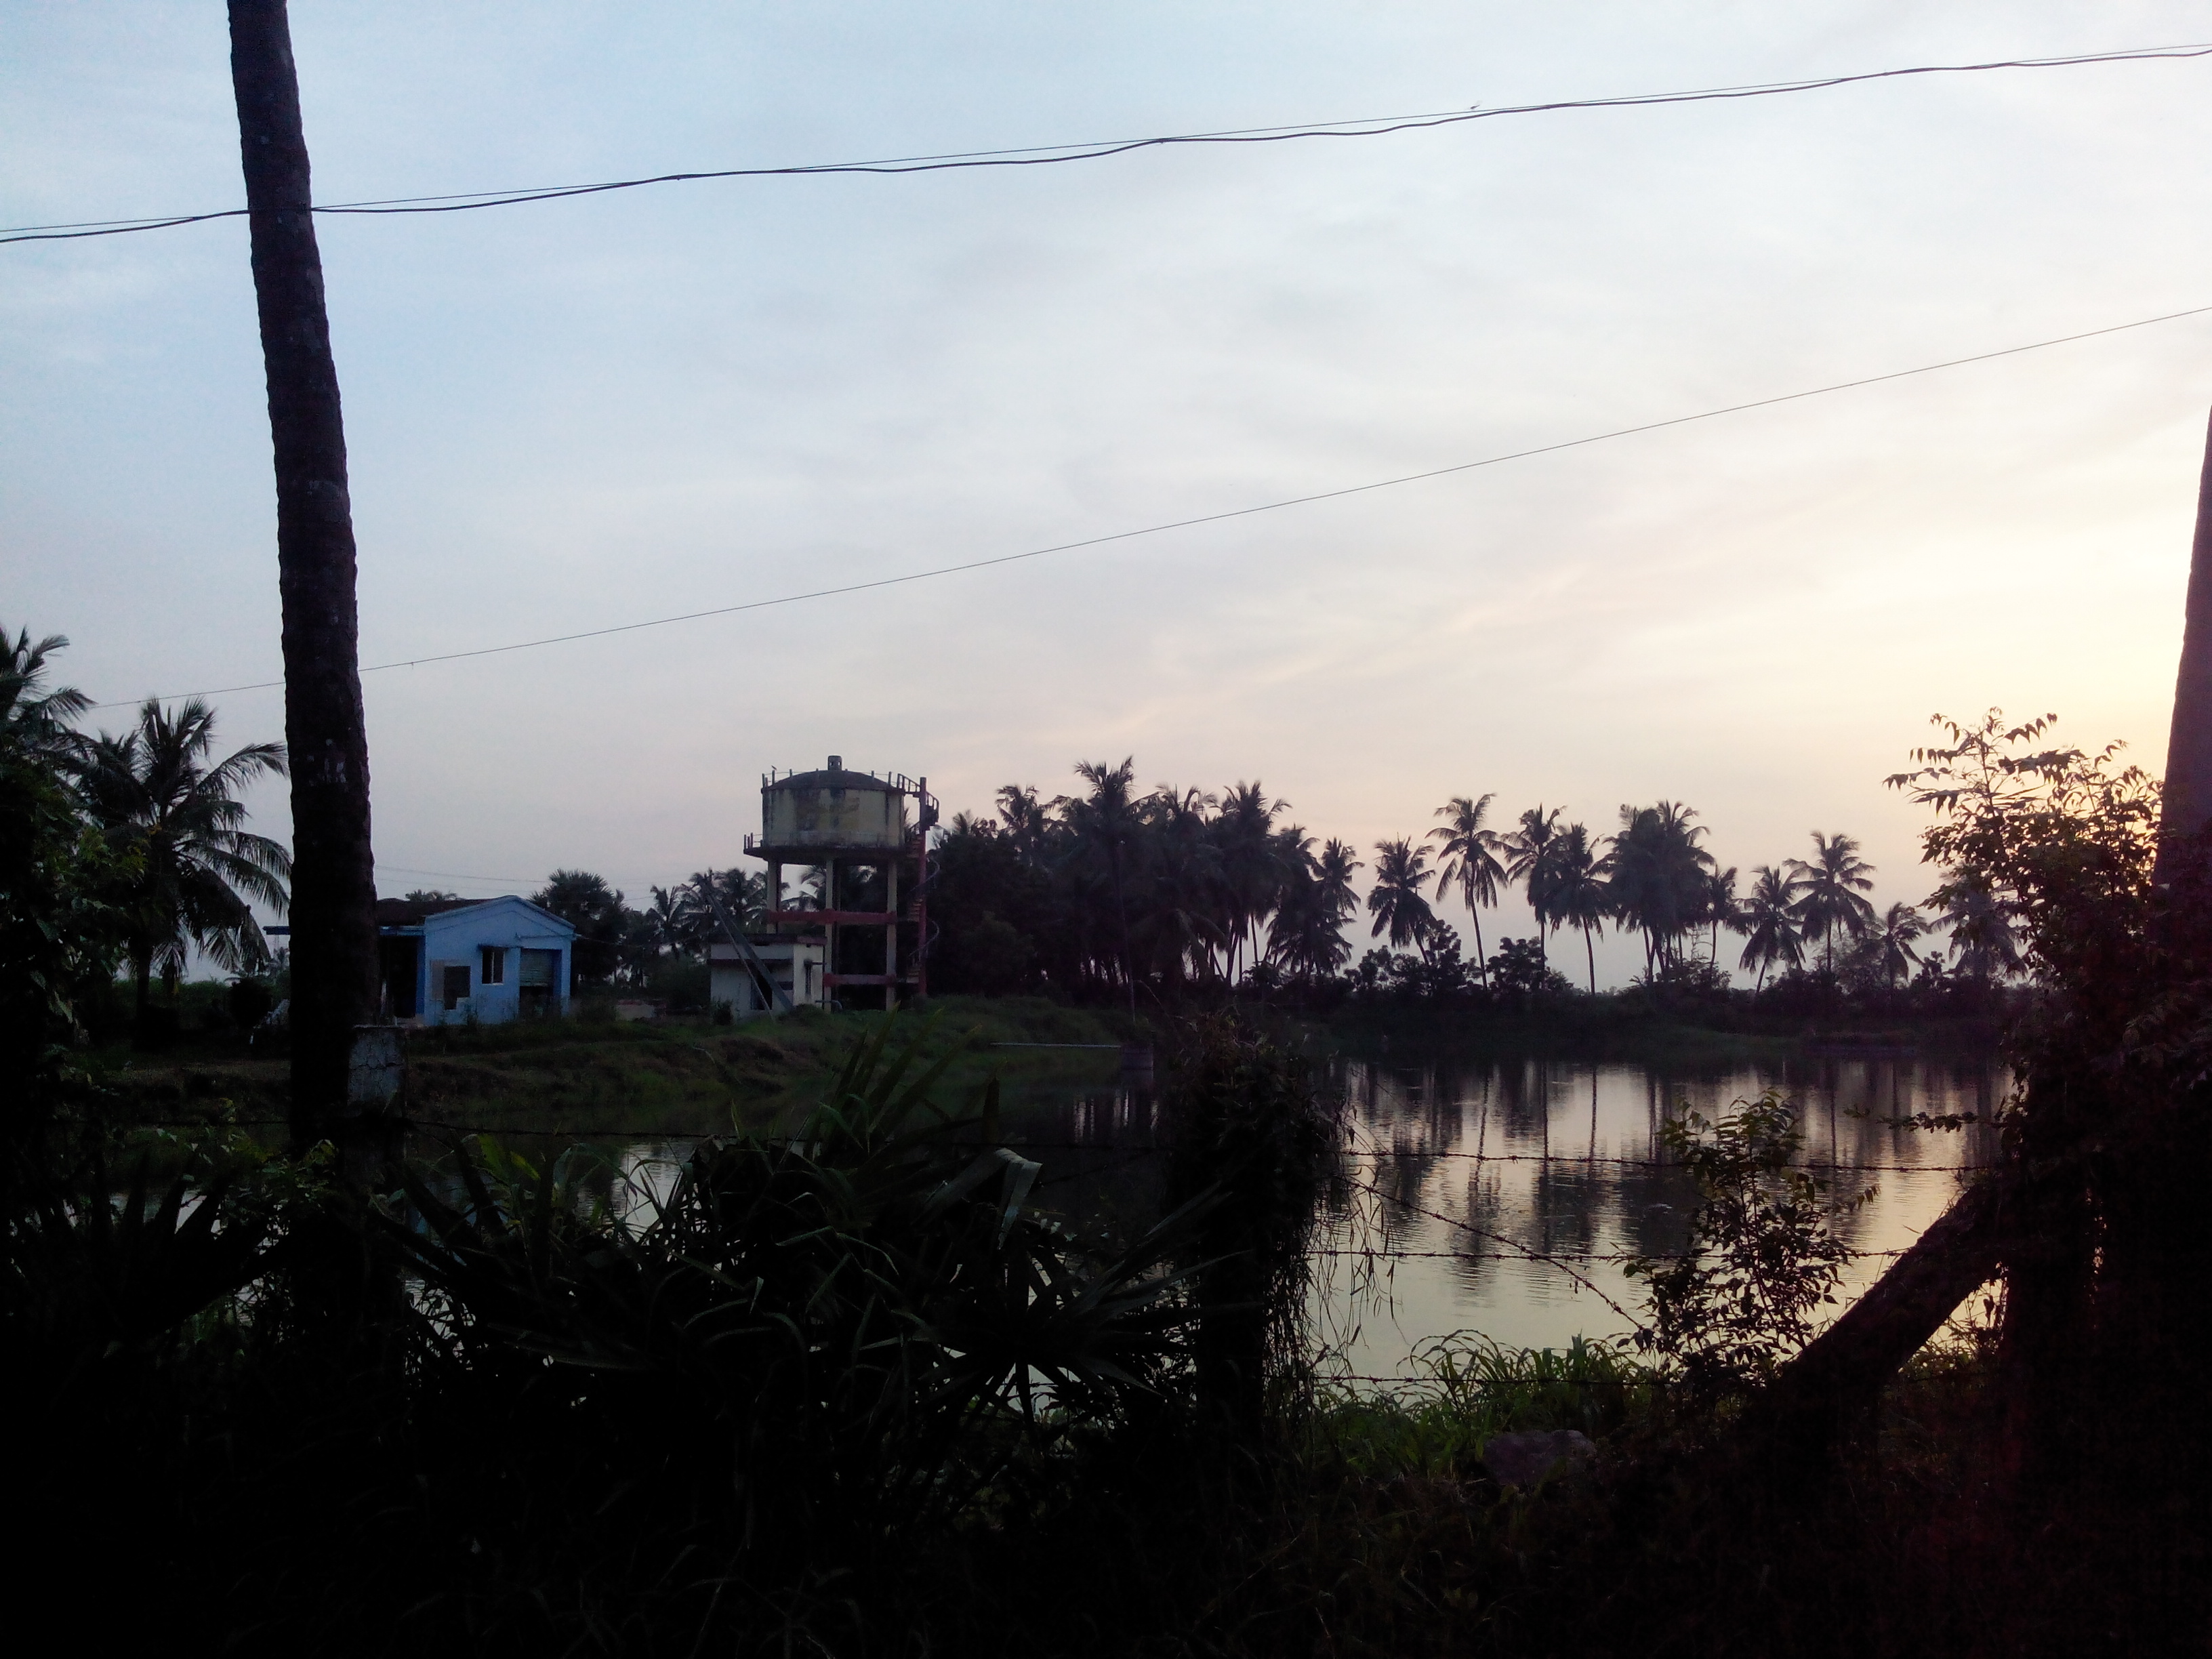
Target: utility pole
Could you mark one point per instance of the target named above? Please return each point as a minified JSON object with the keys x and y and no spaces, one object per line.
{"x":2189,"y":748}
{"x":334,"y":974}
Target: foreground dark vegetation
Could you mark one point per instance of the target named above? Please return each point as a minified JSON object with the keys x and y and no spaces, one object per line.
{"x":857,"y":1388}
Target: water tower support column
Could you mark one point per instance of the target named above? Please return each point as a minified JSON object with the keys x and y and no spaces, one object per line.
{"x":890,"y":935}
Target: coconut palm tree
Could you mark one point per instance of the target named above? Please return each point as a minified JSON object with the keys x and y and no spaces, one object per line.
{"x":671,"y":920}
{"x":1984,"y":945}
{"x":1027,"y":820}
{"x":34,"y":720}
{"x":1395,"y":901}
{"x":1251,"y":868}
{"x":1722,"y":909}
{"x":1661,"y":876}
{"x":199,"y":873}
{"x":1187,"y":919}
{"x":1308,"y":935}
{"x":1890,"y":940}
{"x":744,"y":896}
{"x":1107,"y":824}
{"x":1833,"y":885}
{"x":1576,"y":889}
{"x":1470,"y":861}
{"x":1525,"y":850}
{"x":1768,"y":920}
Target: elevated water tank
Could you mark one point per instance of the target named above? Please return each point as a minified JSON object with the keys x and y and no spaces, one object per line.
{"x":834,"y":810}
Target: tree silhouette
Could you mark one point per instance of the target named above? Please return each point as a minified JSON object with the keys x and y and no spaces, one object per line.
{"x":1576,"y":889}
{"x":1471,"y":862}
{"x":1722,"y":909}
{"x":1026,"y":818}
{"x":1832,"y":885}
{"x":1395,"y":901}
{"x":595,"y":910}
{"x":1318,"y":900}
{"x":1106,"y":825}
{"x":1985,"y":944}
{"x":671,"y":923}
{"x":1660,"y":877}
{"x":34,"y":721}
{"x":200,"y":871}
{"x":1769,"y":923}
{"x":1525,"y":850}
{"x":1187,"y":918}
{"x":1890,"y":940}
{"x":1251,"y":865}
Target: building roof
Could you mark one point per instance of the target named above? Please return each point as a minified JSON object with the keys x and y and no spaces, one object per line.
{"x":393,"y":914}
{"x":840,"y":779}
{"x":409,"y":913}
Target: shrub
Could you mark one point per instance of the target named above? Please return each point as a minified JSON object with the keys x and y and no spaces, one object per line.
{"x":1761,"y":1261}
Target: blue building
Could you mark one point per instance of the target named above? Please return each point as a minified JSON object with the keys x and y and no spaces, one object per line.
{"x":446,"y":960}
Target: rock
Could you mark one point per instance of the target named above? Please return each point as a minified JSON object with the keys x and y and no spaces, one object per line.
{"x":1524,"y":1460}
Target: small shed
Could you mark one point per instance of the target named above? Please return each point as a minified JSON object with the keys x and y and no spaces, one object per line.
{"x":444,"y":961}
{"x":794,"y":962}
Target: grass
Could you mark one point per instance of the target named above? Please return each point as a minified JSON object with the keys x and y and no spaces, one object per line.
{"x":575,"y":1077}
{"x":1465,"y":1388}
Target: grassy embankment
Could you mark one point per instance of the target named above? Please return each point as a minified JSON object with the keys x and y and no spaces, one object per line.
{"x":586,"y":1078}
{"x":1622,"y":1027}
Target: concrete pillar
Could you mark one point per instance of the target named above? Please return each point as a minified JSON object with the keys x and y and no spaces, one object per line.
{"x":890,"y":934}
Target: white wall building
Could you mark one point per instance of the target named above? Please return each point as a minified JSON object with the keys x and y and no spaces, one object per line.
{"x":796,"y":964}
{"x":446,"y":960}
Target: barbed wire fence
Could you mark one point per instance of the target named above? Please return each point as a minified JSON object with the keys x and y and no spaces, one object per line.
{"x":1372,"y":1258}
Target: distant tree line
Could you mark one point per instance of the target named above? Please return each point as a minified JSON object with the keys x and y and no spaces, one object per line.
{"x":1094,"y":894}
{"x":1113,"y":889}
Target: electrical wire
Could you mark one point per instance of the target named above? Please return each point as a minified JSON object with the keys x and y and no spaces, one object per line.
{"x":1193,"y":523}
{"x":1052,"y":155}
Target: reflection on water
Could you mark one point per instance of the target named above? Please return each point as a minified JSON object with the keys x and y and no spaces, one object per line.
{"x":1498,"y":1196}
{"x":1489,"y":1168}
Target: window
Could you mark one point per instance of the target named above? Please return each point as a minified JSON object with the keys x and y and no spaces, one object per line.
{"x":456,"y":988}
{"x":494,"y":970}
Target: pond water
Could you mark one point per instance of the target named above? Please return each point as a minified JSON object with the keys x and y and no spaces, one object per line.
{"x":1498,"y":1196}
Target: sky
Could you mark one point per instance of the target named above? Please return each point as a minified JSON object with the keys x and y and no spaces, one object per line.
{"x":571,"y":414}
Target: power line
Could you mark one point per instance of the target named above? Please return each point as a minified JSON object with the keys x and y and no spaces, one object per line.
{"x":1052,"y":155}
{"x":1202,"y":518}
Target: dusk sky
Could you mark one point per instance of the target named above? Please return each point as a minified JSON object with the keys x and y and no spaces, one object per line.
{"x":571,"y":414}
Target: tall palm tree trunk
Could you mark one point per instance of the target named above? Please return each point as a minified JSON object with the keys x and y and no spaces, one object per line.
{"x":1129,"y":956}
{"x":334,"y":978}
{"x":2188,"y":803}
{"x":1481,"y":962}
{"x":1590,"y":953}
